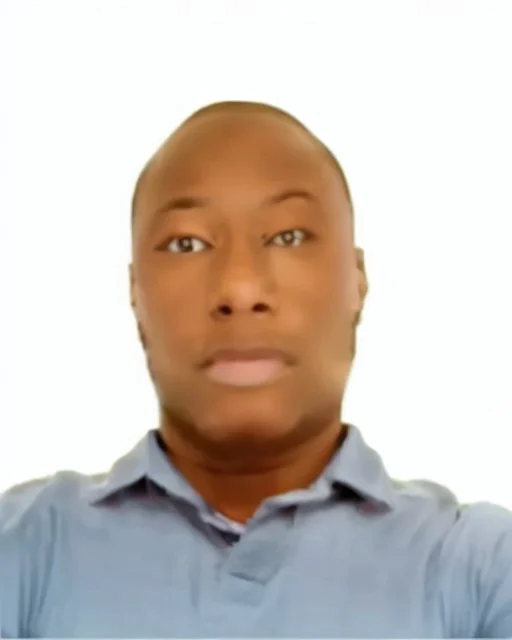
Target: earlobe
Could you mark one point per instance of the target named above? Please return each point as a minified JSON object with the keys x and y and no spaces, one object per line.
{"x":362,"y":284}
{"x":132,"y":287}
{"x":133,"y":304}
{"x":142,"y":337}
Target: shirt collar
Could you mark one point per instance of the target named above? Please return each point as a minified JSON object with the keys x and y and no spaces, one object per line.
{"x":360,"y":468}
{"x":355,"y":465}
{"x":145,"y":462}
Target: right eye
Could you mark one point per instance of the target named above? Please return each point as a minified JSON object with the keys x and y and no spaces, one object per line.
{"x":186,"y":244}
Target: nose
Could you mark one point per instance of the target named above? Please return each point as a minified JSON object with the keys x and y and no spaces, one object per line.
{"x":241,"y":285}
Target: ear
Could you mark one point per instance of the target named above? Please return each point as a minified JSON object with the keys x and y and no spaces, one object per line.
{"x":133,"y":304}
{"x":132,"y":287}
{"x":362,"y":283}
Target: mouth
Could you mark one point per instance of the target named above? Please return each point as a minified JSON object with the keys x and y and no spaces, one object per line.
{"x":248,"y":367}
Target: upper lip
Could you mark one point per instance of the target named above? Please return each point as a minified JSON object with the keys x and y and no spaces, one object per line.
{"x":248,"y":355}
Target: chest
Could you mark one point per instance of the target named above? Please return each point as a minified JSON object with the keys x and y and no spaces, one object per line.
{"x":302,"y":577}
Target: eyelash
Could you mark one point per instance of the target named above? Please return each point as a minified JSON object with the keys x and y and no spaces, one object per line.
{"x":306,"y":235}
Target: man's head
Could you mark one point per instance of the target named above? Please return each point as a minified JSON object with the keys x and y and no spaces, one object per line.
{"x":245,"y":281}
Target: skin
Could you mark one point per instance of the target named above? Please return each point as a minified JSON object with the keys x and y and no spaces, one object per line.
{"x":245,"y":284}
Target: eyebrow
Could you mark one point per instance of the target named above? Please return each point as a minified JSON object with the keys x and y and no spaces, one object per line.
{"x":183,"y":203}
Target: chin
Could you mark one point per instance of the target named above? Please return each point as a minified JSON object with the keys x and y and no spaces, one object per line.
{"x":247,"y":419}
{"x":242,"y":424}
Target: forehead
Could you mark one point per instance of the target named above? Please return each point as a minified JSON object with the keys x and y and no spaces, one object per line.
{"x":226,"y":155}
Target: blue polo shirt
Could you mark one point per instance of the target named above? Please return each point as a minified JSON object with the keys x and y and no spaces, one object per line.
{"x":136,"y":553}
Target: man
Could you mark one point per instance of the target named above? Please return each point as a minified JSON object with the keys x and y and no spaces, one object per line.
{"x":252,"y":511}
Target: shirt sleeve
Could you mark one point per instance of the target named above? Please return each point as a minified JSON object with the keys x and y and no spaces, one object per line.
{"x":10,"y":566}
{"x":493,"y":526}
{"x":477,"y":566}
{"x":20,"y":539}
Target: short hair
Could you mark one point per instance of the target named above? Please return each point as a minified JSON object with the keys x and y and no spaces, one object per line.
{"x":255,"y":107}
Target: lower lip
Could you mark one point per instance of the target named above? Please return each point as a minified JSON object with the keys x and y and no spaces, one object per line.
{"x":251,"y":373}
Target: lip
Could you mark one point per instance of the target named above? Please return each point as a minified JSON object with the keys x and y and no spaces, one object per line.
{"x":245,"y":368}
{"x":248,"y":355}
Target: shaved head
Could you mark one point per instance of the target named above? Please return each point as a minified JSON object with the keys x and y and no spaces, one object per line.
{"x":240,"y":107}
{"x":243,"y":247}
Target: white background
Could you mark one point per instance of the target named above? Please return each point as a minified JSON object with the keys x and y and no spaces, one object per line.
{"x":415,"y":98}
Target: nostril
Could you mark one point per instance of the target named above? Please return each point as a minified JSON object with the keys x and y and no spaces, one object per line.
{"x":225,"y":310}
{"x":260,"y":307}
{"x":228,"y":310}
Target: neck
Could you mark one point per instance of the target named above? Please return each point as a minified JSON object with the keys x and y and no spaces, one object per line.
{"x":238,"y":493}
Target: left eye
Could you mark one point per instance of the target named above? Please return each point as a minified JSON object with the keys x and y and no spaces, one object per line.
{"x":186,"y":244}
{"x":289,"y":238}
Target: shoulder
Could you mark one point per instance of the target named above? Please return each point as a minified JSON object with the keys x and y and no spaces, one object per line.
{"x":482,"y":527}
{"x":481,"y":540}
{"x":473,"y":552}
{"x":26,"y":505}
{"x":477,"y":528}
{"x":30,"y":517}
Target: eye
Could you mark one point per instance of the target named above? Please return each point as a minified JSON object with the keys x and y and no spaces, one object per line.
{"x":186,"y":244}
{"x":289,"y":238}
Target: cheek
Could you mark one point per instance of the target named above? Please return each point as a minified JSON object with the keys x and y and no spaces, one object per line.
{"x":326,"y":313}
{"x":322,"y":292}
{"x":170,"y":315}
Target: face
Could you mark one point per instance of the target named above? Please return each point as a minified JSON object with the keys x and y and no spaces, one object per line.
{"x":245,"y":282}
